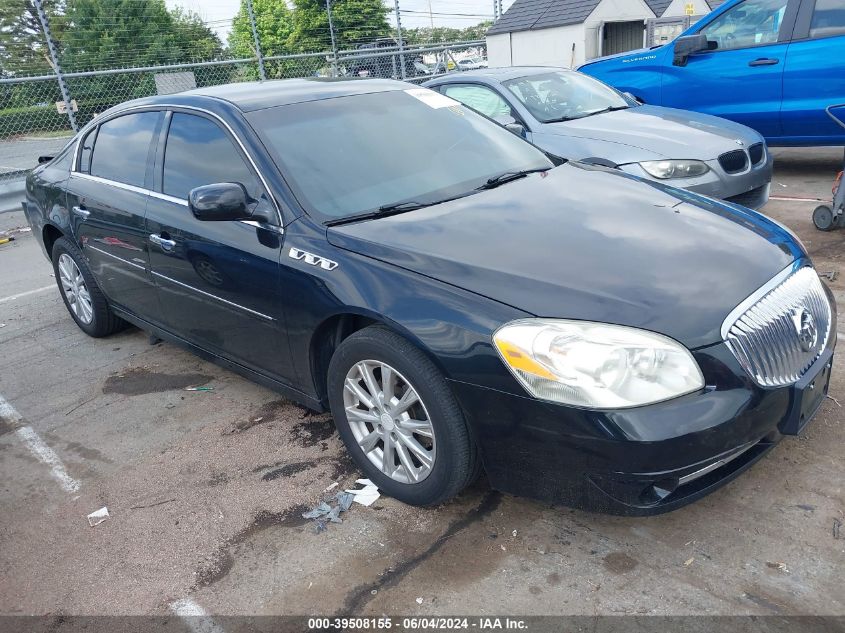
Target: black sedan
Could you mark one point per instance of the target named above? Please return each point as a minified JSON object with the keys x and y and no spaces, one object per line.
{"x":458,"y":299}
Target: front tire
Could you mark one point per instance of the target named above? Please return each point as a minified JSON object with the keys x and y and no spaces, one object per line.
{"x":398,"y":418}
{"x":82,"y":296}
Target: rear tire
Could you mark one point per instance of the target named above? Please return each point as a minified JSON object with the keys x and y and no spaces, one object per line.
{"x":82,"y":296}
{"x":433,"y":429}
{"x":824,"y":219}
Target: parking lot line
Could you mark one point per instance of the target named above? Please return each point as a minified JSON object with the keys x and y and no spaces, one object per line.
{"x":27,"y":293}
{"x":194,"y":616}
{"x":38,"y":447}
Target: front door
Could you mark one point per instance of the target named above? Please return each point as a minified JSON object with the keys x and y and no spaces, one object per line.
{"x":742,"y":78}
{"x":814,"y":78}
{"x":107,"y":196}
{"x":218,"y":281}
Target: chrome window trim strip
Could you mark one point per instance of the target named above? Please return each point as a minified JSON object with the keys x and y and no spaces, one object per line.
{"x":168,"y":198}
{"x":165,"y":106}
{"x":125,"y":261}
{"x":113,"y":183}
{"x":163,"y":196}
{"x":758,"y":294}
{"x":211,"y":296}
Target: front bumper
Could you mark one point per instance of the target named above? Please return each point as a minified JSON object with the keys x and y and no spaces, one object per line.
{"x":641,"y":461}
{"x":750,"y":188}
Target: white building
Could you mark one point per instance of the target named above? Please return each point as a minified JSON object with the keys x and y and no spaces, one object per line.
{"x":570,"y":32}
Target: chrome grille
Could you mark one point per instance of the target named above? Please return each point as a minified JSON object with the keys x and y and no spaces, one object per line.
{"x":773,"y":337}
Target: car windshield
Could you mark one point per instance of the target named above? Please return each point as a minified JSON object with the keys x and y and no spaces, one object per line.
{"x":562,"y":96}
{"x":352,"y":155}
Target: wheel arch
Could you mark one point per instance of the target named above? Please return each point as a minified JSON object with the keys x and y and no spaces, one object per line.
{"x":334,"y":329}
{"x":49,"y":234}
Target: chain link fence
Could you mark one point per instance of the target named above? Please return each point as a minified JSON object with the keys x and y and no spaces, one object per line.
{"x":37,"y":118}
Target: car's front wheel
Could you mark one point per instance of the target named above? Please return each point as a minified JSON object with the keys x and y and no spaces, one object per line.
{"x":399,"y":419}
{"x":80,"y":292}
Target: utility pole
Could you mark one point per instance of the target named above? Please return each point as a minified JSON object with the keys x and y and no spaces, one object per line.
{"x":262,"y":75}
{"x":45,"y":26}
{"x":401,"y":41}
{"x":334,"y":43}
{"x":430,"y":15}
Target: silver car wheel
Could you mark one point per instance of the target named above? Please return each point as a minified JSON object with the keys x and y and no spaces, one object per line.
{"x":389,"y":421}
{"x":75,"y":290}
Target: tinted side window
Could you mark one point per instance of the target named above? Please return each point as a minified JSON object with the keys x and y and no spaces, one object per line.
{"x":751,"y":23}
{"x":828,"y":19}
{"x":122,"y":148}
{"x":199,"y":152}
{"x":478,"y":98}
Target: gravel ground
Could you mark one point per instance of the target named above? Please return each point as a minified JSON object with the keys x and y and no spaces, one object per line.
{"x":205,"y":491}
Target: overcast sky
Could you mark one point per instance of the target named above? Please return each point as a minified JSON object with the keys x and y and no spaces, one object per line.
{"x":218,"y":14}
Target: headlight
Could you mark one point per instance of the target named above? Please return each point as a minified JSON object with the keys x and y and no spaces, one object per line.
{"x":666,"y":169}
{"x":594,"y":365}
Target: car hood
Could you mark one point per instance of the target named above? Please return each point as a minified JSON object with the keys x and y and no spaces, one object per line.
{"x":584,"y":242}
{"x":661,"y":132}
{"x":635,"y":53}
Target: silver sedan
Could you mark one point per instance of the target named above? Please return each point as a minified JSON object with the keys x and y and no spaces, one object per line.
{"x":576,"y":116}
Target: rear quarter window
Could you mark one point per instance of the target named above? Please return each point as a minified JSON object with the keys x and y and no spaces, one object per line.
{"x":121,"y":151}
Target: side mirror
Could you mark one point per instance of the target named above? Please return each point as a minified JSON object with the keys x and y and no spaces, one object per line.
{"x":44,"y":159}
{"x":686,"y":46}
{"x":511,"y":125}
{"x":632,"y":98}
{"x":220,"y":202}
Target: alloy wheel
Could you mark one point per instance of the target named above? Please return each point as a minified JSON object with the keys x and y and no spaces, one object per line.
{"x":389,"y":421}
{"x":75,"y":290}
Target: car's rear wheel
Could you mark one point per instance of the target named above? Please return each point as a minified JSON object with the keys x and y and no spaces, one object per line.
{"x":399,"y":419}
{"x":80,"y":292}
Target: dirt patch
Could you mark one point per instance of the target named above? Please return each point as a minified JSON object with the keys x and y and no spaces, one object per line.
{"x":222,"y":561}
{"x":359,"y":597}
{"x":136,"y":382}
{"x":343,"y":467}
{"x":312,"y":430}
{"x":6,"y":426}
{"x":87,"y":453}
{"x":265,"y":414}
{"x":620,"y":562}
{"x":218,"y":479}
{"x":289,"y":470}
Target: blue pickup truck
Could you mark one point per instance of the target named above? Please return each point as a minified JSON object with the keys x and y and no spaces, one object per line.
{"x":774,"y":65}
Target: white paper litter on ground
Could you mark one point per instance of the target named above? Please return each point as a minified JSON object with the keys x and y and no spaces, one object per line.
{"x":367,"y":495}
{"x":97,"y":517}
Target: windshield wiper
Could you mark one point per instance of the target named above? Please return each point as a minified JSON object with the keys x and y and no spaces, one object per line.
{"x":389,"y":209}
{"x":509,"y":176}
{"x":584,"y":116}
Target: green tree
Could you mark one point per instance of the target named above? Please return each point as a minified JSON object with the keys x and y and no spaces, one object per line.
{"x":23,"y":49}
{"x":123,"y":33}
{"x":274,"y":24}
{"x":355,"y":22}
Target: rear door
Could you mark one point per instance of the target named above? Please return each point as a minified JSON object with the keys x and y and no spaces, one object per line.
{"x":742,"y":78}
{"x":814,"y":77}
{"x":218,"y":281}
{"x":107,"y":196}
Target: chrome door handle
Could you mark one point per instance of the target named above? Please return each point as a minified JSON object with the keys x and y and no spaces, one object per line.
{"x":166,"y":245}
{"x":82,"y":213}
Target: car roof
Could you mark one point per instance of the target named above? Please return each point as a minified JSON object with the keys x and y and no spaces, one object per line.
{"x":257,"y":95}
{"x":501,"y":74}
